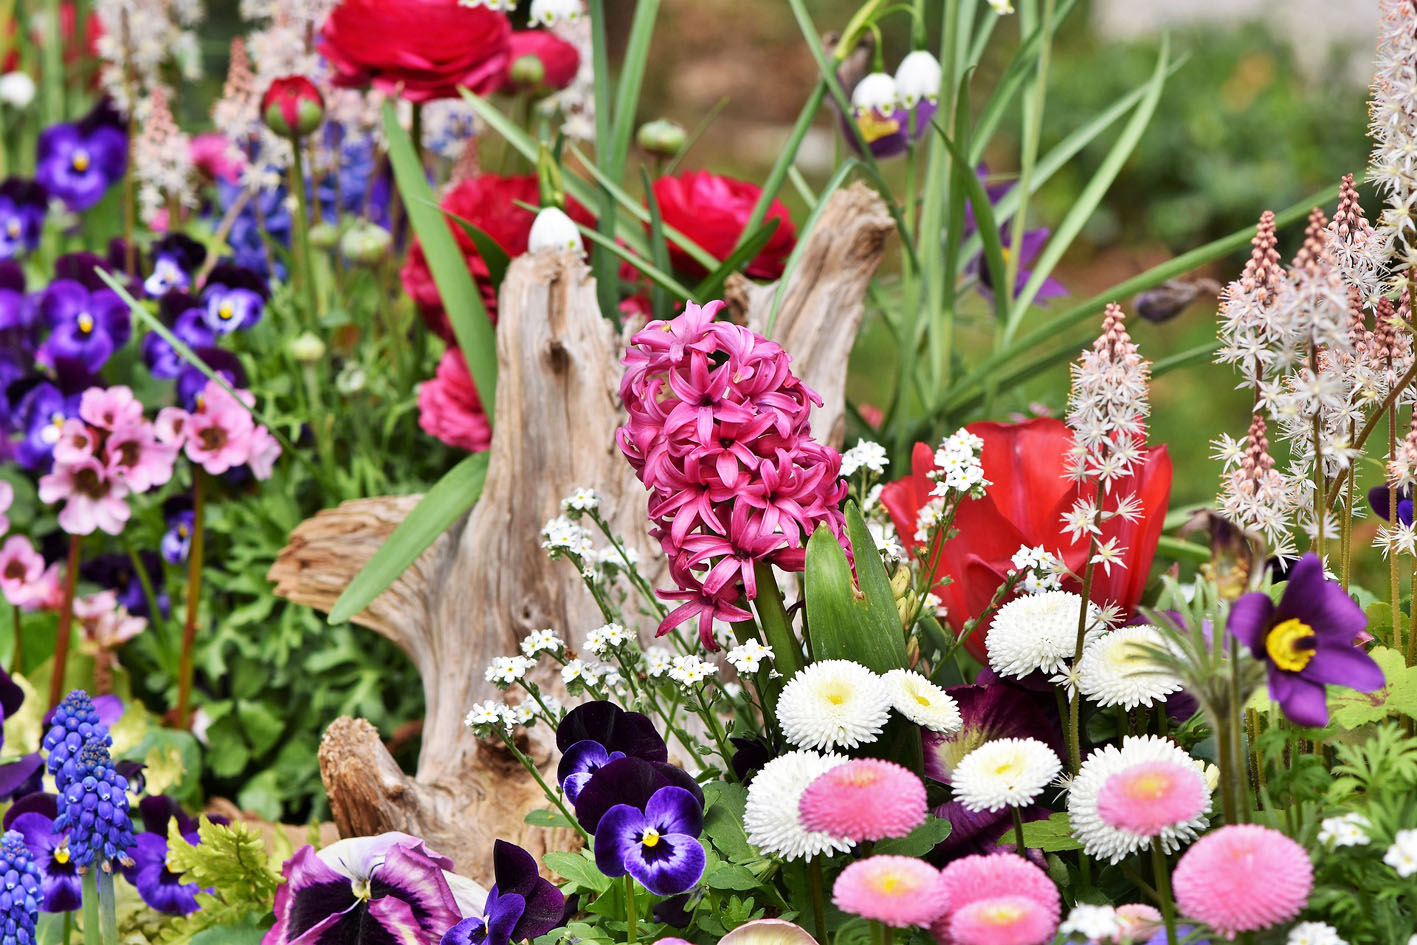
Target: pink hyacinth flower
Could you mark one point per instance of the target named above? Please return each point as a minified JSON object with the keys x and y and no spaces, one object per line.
{"x":92,"y":498}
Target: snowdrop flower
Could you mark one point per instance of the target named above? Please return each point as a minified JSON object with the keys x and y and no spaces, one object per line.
{"x":748,"y":657}
{"x":1402,"y":855}
{"x":541,"y":641}
{"x":1348,"y":830}
{"x":1007,"y":772}
{"x":552,"y":229}
{"x":864,"y":455}
{"x":548,"y":12}
{"x":1002,"y":7}
{"x":16,"y":89}
{"x":771,"y":817}
{"x":918,"y":77}
{"x":923,"y":702}
{"x":876,"y":92}
{"x":505,"y":670}
{"x":833,"y":703}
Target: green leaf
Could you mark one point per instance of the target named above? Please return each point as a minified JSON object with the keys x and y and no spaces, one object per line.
{"x":659,"y":302}
{"x":578,"y":868}
{"x":627,"y":92}
{"x":449,"y":498}
{"x":794,"y":259}
{"x":1351,"y":709}
{"x":260,"y":723}
{"x":920,"y":841}
{"x":248,"y":932}
{"x":731,"y":876}
{"x":747,"y":249}
{"x":492,"y":253}
{"x":650,"y":271}
{"x":723,"y":821}
{"x":988,"y":226}
{"x":1051,"y":836}
{"x":546,"y":817}
{"x":785,"y":157}
{"x":862,"y":626}
{"x":461,"y":300}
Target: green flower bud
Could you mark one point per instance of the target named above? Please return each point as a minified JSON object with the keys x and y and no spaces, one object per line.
{"x":366,"y":244}
{"x":661,"y":136}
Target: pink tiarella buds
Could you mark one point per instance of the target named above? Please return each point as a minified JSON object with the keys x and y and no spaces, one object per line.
{"x":1107,"y":408}
{"x":718,"y":431}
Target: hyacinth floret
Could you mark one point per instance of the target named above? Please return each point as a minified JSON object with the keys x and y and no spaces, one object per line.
{"x":94,"y":809}
{"x":75,"y":723}
{"x":719,"y":432}
{"x":20,"y":893}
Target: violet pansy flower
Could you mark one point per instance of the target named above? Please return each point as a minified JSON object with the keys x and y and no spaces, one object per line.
{"x":78,"y":162}
{"x":1029,"y":248}
{"x":520,"y":905}
{"x":1306,"y":641}
{"x":22,"y":207}
{"x":175,"y":258}
{"x":630,"y":781}
{"x":233,"y":298}
{"x":177,"y":540}
{"x":158,"y":886}
{"x":658,"y":845}
{"x":630,"y":733}
{"x":579,"y":763}
{"x":188,"y":322}
{"x":86,"y":327}
{"x":41,"y":413}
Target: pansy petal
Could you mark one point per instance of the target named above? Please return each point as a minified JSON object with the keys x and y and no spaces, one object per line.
{"x":415,"y":878}
{"x":395,"y":919}
{"x":1303,"y":701}
{"x":470,"y":931}
{"x":675,"y":810}
{"x":1250,"y":618}
{"x":616,"y":836}
{"x":671,"y":866}
{"x":630,"y":732}
{"x":15,"y":775}
{"x":628,"y":781}
{"x":503,"y":913}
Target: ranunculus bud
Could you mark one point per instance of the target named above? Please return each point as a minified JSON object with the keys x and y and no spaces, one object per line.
{"x":324,"y":235}
{"x":661,"y":136}
{"x":16,"y":89}
{"x":293,"y":106}
{"x":528,"y":71}
{"x":365,"y":243}
{"x":547,"y":12}
{"x":307,"y":348}
{"x":918,"y":77}
{"x":876,"y":92}
{"x":552,"y":229}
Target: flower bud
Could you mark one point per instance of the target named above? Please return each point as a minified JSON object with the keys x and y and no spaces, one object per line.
{"x":16,"y":89}
{"x":661,"y":136}
{"x":324,"y":235}
{"x":307,"y":348}
{"x":900,"y":582}
{"x":528,"y":71}
{"x":350,"y":380}
{"x":293,"y":106}
{"x":547,"y":12}
{"x":365,"y":243}
{"x":552,"y":229}
{"x":876,"y":92}
{"x":918,"y":77}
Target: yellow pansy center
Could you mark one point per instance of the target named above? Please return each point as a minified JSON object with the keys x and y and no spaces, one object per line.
{"x":85,"y":322}
{"x":650,"y":837}
{"x":80,"y":161}
{"x":61,"y":855}
{"x":875,"y":126}
{"x":361,"y":889}
{"x":1290,"y":644}
{"x":12,"y":229}
{"x":225,"y":311}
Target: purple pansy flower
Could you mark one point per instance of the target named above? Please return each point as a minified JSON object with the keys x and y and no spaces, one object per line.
{"x":580,"y":761}
{"x":191,"y":381}
{"x":78,"y":162}
{"x":158,"y":886}
{"x":177,"y":540}
{"x":41,"y":413}
{"x":86,"y":327}
{"x":521,"y":905}
{"x":175,"y":257}
{"x":1306,"y":641}
{"x":187,"y":320}
{"x":630,"y":781}
{"x":60,"y":884}
{"x":658,"y":845}
{"x":1378,"y":497}
{"x":631,"y":733}
{"x":233,"y":298}
{"x":388,"y":888}
{"x":22,"y":207}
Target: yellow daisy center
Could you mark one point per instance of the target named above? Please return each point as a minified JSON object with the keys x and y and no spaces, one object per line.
{"x":1290,"y":644}
{"x":1001,"y":913}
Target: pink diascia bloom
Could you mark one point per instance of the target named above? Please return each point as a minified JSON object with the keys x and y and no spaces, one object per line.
{"x":21,"y":573}
{"x":865,"y":799}
{"x":93,"y":498}
{"x":900,"y":891}
{"x":135,"y":455}
{"x":106,"y":625}
{"x":719,"y":433}
{"x":999,"y":899}
{"x":110,"y":407}
{"x":1243,"y":878}
{"x":220,"y":434}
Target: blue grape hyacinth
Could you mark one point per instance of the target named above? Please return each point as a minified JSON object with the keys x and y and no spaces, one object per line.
{"x":19,"y":891}
{"x":93,"y":809}
{"x":75,"y":722}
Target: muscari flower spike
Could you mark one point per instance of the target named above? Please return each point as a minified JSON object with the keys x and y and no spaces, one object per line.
{"x":61,"y":887}
{"x":75,"y":723}
{"x":94,"y":809}
{"x":19,"y":897}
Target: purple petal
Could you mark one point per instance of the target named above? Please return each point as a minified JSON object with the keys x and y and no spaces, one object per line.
{"x":675,"y":810}
{"x":630,"y":781}
{"x":671,"y":866}
{"x":630,"y":732}
{"x":1345,"y":665}
{"x":470,"y":931}
{"x":16,"y":774}
{"x":1249,"y":620}
{"x":416,"y":879}
{"x":616,"y":836}
{"x":503,"y":912}
{"x":1302,"y":700}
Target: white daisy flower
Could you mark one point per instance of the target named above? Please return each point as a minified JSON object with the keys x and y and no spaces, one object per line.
{"x":1116,"y":669}
{"x":524,"y":712}
{"x":1347,"y":830}
{"x":748,"y":657}
{"x":1007,"y":772}
{"x":1037,"y":633}
{"x":541,"y":641}
{"x":770,"y":816}
{"x":658,"y":661}
{"x":1100,"y":839}
{"x":923,"y":702}
{"x":1092,"y":922}
{"x":1314,"y":933}
{"x":833,"y":703}
{"x":505,"y":670}
{"x":1402,"y":855}
{"x":606,"y":638}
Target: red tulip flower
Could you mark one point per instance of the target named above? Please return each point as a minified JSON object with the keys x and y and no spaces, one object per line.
{"x":1027,"y":465}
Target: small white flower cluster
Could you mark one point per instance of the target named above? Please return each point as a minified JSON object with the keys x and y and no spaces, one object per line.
{"x":608,"y":637}
{"x":748,"y":657}
{"x":1314,"y":933}
{"x":883,"y":536}
{"x":1042,"y":570}
{"x":866,"y":455}
{"x":578,"y":674}
{"x":658,"y":661}
{"x":542,"y":641}
{"x":549,"y":12}
{"x":1347,"y":830}
{"x":1402,"y":855}
{"x":576,"y":102}
{"x":502,"y":6}
{"x":582,"y":499}
{"x":489,"y":718}
{"x":1108,"y":405}
{"x":842,"y":704}
{"x":1092,"y":922}
{"x":690,"y":670}
{"x":503,"y":671}
{"x":563,"y":536}
{"x":957,"y":467}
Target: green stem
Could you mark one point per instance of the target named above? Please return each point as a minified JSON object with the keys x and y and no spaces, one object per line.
{"x":630,"y":920}
{"x":1239,"y":757}
{"x":107,"y":905}
{"x":1163,"y":889}
{"x":1074,"y":698}
{"x":54,"y":63}
{"x":16,"y":650}
{"x":66,"y":624}
{"x":772,"y":615}
{"x":1022,"y":848}
{"x":819,"y":909}
{"x":90,"y":907}
{"x":305,"y":268}
{"x":553,"y":796}
{"x":194,"y":596}
{"x":1319,"y":538}
{"x":68,"y":927}
{"x":716,"y":729}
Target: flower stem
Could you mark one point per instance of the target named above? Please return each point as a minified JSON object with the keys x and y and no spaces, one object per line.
{"x":552,"y":796}
{"x":90,"y":907}
{"x":194,"y":597}
{"x":1394,"y":582}
{"x":777,"y":632}
{"x":1074,"y":737}
{"x":630,"y":909}
{"x":819,"y":908}
{"x":66,"y":624}
{"x":719,"y":737}
{"x":16,"y":650}
{"x":1018,"y":832}
{"x":1163,"y":889}
{"x":107,"y":906}
{"x":304,"y":267}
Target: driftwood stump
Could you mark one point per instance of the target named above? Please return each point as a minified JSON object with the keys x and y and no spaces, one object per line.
{"x":486,"y":583}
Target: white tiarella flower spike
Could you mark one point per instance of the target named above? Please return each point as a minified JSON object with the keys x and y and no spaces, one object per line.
{"x":918,"y":77}
{"x":547,"y":12}
{"x":876,"y":92}
{"x":552,"y":229}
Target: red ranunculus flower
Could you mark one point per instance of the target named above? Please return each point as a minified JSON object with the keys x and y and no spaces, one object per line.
{"x":712,"y":211}
{"x":449,"y":408}
{"x":419,"y":49}
{"x":1027,"y":463}
{"x":292,"y":106}
{"x":489,"y":202}
{"x":559,"y":59}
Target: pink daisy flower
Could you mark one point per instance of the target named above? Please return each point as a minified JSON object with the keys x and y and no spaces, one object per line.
{"x":900,"y":891}
{"x":978,"y":877}
{"x":21,"y":567}
{"x":137,"y":457}
{"x":1139,"y":921}
{"x":92,"y":498}
{"x":1147,"y":798}
{"x":1242,"y":878}
{"x":865,"y":799}
{"x":1002,"y":920}
{"x":110,"y":408}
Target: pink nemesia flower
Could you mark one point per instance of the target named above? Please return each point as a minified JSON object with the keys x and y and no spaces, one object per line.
{"x":218,"y":434}
{"x":719,"y":433}
{"x":105,"y":624}
{"x":21,"y":568}
{"x":138,"y":458}
{"x":111,"y":407}
{"x":76,"y":443}
{"x":92,"y":498}
{"x":7,"y":498}
{"x":171,"y":425}
{"x":265,"y":450}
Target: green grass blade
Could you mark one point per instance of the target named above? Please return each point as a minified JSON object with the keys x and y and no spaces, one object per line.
{"x":745,"y":253}
{"x":778,"y":174}
{"x":1020,"y":67}
{"x":659,"y":301}
{"x":627,"y":91}
{"x":492,"y":253}
{"x":985,"y":222}
{"x":649,"y":270}
{"x":601,"y":262}
{"x":440,"y":506}
{"x":461,"y":299}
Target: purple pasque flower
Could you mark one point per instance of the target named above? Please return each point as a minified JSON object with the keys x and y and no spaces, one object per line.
{"x":191,"y":381}
{"x":658,"y":845}
{"x":175,"y":258}
{"x":22,"y":207}
{"x":1029,"y":248}
{"x":77,"y":162}
{"x":520,"y":905}
{"x":61,"y":887}
{"x":233,"y":298}
{"x":180,"y":519}
{"x":1306,"y":641}
{"x":85,"y":327}
{"x":388,"y":888}
{"x":630,"y":781}
{"x":188,"y":321}
{"x":1378,"y":500}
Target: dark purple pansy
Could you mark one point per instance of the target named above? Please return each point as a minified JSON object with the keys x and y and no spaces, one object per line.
{"x":177,"y":540}
{"x":1379,"y":498}
{"x":85,"y":327}
{"x":628,"y":781}
{"x":60,"y":884}
{"x":657,"y":845}
{"x":1306,"y":641}
{"x":384,"y":889}
{"x":191,"y":381}
{"x":631,"y":733}
{"x":77,"y":162}
{"x":22,"y":207}
{"x":1030,"y":246}
{"x":989,"y":712}
{"x":185,"y":318}
{"x":175,"y":258}
{"x":520,"y":905}
{"x":233,"y":298}
{"x":158,"y":886}
{"x":580,"y":761}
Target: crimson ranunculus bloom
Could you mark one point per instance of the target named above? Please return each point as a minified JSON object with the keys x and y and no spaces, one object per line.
{"x":449,"y":408}
{"x":489,"y":202}
{"x":418,"y":49}
{"x":712,"y":211}
{"x":1026,"y":464}
{"x":559,"y":59}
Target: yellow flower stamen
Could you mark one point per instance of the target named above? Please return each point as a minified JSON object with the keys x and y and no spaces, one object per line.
{"x":875,"y":126}
{"x":80,"y":161}
{"x":1290,"y":644}
{"x":85,"y":322}
{"x":650,"y":837}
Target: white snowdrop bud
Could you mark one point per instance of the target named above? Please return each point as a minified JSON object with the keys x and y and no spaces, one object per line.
{"x":877,"y":91}
{"x":918,"y":77}
{"x":552,"y":229}
{"x":17,"y":89}
{"x":547,"y":12}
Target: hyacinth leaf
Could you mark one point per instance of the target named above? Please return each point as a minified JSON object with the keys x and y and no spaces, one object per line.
{"x":920,"y":841}
{"x":461,"y":299}
{"x":794,"y":258}
{"x":864,"y":628}
{"x":785,"y":158}
{"x":659,"y":300}
{"x":628,"y":85}
{"x":493,"y":255}
{"x":601,"y":263}
{"x":449,"y":498}
{"x":1020,"y":67}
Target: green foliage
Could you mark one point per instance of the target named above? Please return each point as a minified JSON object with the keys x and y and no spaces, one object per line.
{"x":1051,"y":836}
{"x":1352,"y":709}
{"x":232,"y":862}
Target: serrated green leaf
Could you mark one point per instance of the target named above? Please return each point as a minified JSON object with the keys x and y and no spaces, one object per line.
{"x":723,"y":820}
{"x":577,"y":868}
{"x":1051,"y":836}
{"x":920,"y":841}
{"x":731,"y":876}
{"x":1351,"y":709}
